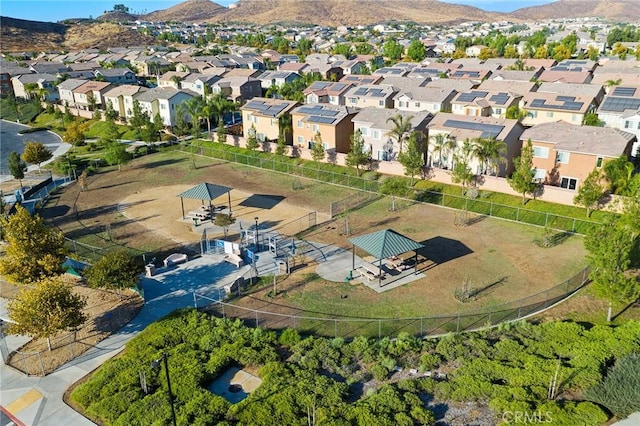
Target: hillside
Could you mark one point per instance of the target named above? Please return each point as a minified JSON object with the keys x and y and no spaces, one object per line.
{"x":113,"y":16}
{"x":189,"y":11}
{"x":352,"y":12}
{"x":621,"y":10}
{"x":19,"y":35}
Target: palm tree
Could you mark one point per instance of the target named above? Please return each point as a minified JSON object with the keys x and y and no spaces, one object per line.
{"x":610,"y":83}
{"x":193,"y":108}
{"x":220,"y":105}
{"x":489,"y":151}
{"x":285,"y":125}
{"x":440,"y":145}
{"x":401,"y":127}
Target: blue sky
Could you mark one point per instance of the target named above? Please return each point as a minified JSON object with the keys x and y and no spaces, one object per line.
{"x":56,"y":10}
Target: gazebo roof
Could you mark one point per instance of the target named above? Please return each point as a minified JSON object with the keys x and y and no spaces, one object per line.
{"x":205,"y":191}
{"x":385,"y":243}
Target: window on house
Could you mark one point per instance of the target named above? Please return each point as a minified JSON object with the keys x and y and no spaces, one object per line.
{"x":562,"y":157}
{"x":299,"y":124}
{"x":568,"y":183}
{"x":540,"y":175}
{"x":315,"y":128}
{"x":599,"y":162}
{"x":627,"y":124}
{"x":325,"y":146}
{"x":380,"y":103}
{"x":163,"y":106}
{"x":300,"y":139}
{"x":498,"y":110}
{"x":402,"y":104}
{"x":550,"y":114}
{"x":376,"y":134}
{"x":260,"y":137}
{"x":540,"y":152}
{"x":383,"y":155}
{"x":575,"y":117}
{"x":364,"y":131}
{"x":417,"y":104}
{"x":638,"y":125}
{"x":353,"y":100}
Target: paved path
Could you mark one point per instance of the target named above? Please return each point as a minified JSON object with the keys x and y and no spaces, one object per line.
{"x":38,"y":400}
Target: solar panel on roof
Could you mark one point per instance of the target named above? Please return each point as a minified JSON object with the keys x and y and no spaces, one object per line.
{"x":318,"y":119}
{"x":500,"y":98}
{"x":339,"y":86}
{"x":488,"y":130}
{"x":620,"y":104}
{"x":361,"y":91}
{"x":624,"y":91}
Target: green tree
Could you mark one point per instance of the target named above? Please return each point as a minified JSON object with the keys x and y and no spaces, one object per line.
{"x":116,"y":270}
{"x":252,"y":139}
{"x":17,"y":167}
{"x":304,"y":46}
{"x":590,"y":192}
{"x":522,"y":179}
{"x":217,"y":105}
{"x":36,"y":153}
{"x":116,"y":153}
{"x":110,"y":133}
{"x":416,"y":51}
{"x":281,"y":146}
{"x":221,"y":134}
{"x":317,"y":150}
{"x":621,"y":176}
{"x":591,"y":119}
{"x":110,"y":113}
{"x":490,"y":152}
{"x":486,"y":53}
{"x":224,"y":221}
{"x":461,"y":172}
{"x":413,"y":158}
{"x":401,"y":126}
{"x":193,"y":111}
{"x":392,"y":49}
{"x":342,"y":49}
{"x":33,"y":251}
{"x":515,"y":113}
{"x":357,"y":156}
{"x":49,"y":307}
{"x":609,"y":249}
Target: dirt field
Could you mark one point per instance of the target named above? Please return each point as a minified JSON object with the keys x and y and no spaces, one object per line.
{"x":497,"y":258}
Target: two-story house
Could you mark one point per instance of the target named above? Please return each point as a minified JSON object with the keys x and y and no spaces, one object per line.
{"x":197,"y":82}
{"x":117,"y":75}
{"x":332,"y":122}
{"x":172,"y":79}
{"x":458,"y":128}
{"x":120,"y":98}
{"x":375,"y":95}
{"x":90,"y":93}
{"x":549,"y":107}
{"x":44,"y":82}
{"x":375,"y":125}
{"x":65,"y":91}
{"x":620,"y":109}
{"x":164,"y":101}
{"x":326,"y":92}
{"x":277,"y":78}
{"x":264,"y":116}
{"x":564,"y":154}
{"x":238,"y":89}
{"x":431,"y":99}
{"x":483,"y":103}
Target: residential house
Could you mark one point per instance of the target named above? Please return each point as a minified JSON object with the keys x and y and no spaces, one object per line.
{"x":474,"y":51}
{"x":594,"y":91}
{"x":459,"y":128}
{"x":264,"y":116}
{"x":150,"y":66}
{"x":564,"y":154}
{"x":353,"y":66}
{"x":621,"y":110}
{"x":276,"y":78}
{"x":48,"y":67}
{"x":238,"y":89}
{"x":43,"y":81}
{"x":612,"y":79}
{"x":172,"y":79}
{"x":391,"y":72}
{"x":90,"y":93}
{"x":121,"y":99}
{"x":566,"y":76}
{"x":117,"y":75}
{"x":375,"y":124}
{"x":7,"y":71}
{"x":164,"y":101}
{"x":197,"y":82}
{"x":471,"y":74}
{"x":549,"y":107}
{"x":372,"y":95}
{"x":332,"y":122}
{"x":459,"y":85}
{"x":513,"y":86}
{"x":431,"y":99}
{"x":65,"y":91}
{"x":323,"y":92}
{"x":482,"y":103}
{"x":513,"y":75}
{"x":299,"y":68}
{"x":359,"y":80}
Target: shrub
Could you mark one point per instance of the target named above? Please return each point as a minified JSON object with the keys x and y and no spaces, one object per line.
{"x":380,"y":372}
{"x":620,"y":389}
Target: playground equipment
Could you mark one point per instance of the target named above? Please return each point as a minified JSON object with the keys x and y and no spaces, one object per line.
{"x":279,"y":246}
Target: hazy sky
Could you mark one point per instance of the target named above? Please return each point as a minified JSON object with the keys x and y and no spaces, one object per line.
{"x":56,"y":10}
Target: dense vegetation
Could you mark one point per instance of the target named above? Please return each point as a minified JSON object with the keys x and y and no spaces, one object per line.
{"x":518,"y":368}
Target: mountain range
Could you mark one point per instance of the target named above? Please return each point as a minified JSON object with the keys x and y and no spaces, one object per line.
{"x":19,"y":35}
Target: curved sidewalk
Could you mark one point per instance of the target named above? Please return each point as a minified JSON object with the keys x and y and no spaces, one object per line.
{"x":38,"y":400}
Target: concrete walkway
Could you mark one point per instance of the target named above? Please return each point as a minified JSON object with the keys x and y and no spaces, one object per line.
{"x":38,"y":400}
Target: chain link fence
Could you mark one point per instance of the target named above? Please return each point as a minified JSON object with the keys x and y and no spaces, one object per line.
{"x":350,"y":327}
{"x":473,"y":205}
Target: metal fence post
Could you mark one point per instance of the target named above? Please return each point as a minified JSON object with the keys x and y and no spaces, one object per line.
{"x":256,"y":318}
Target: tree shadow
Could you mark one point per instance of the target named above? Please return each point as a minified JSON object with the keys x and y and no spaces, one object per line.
{"x":161,"y":163}
{"x":332,"y":157}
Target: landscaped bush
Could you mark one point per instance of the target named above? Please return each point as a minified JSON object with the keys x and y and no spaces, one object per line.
{"x":510,"y":369}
